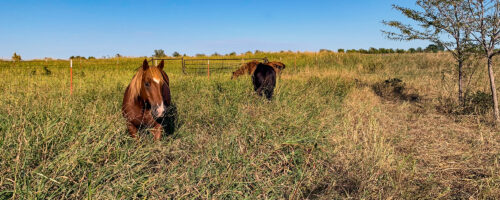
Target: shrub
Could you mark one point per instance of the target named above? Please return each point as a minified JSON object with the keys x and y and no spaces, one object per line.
{"x":478,"y":103}
{"x":395,"y":89}
{"x":176,"y":54}
{"x":16,"y":57}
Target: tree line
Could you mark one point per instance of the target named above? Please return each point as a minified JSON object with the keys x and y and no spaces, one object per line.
{"x":432,"y":48}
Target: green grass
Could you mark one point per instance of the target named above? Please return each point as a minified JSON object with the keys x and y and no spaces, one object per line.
{"x":322,"y":136}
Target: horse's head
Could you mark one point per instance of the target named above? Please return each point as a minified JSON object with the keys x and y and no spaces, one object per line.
{"x":279,"y":65}
{"x":151,"y":88}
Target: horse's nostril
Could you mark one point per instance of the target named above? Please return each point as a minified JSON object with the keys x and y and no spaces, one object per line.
{"x":159,"y":112}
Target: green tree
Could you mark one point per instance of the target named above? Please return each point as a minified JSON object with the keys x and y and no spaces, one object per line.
{"x":176,"y":54}
{"x":483,"y":17}
{"x":159,"y":53}
{"x":363,"y":51}
{"x":442,"y":22}
{"x":373,"y":50}
{"x":340,"y":50}
{"x":434,"y":48}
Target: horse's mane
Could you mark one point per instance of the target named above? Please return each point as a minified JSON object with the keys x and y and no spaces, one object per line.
{"x":136,"y":83}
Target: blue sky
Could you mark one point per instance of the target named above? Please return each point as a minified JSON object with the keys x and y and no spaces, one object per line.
{"x":59,"y":29}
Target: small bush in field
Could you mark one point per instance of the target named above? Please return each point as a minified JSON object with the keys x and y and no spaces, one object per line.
{"x":16,"y":57}
{"x":395,"y":89}
{"x":477,"y":103}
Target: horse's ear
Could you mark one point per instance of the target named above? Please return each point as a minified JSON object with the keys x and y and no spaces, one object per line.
{"x":161,"y":65}
{"x":145,"y":64}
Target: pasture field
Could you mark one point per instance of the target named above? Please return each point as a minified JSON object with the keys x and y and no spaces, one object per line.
{"x":335,"y":129}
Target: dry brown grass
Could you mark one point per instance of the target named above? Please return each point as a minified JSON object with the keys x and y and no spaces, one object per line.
{"x":326,"y":135}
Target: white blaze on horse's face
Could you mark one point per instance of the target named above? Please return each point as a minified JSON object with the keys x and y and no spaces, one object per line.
{"x":156,"y":80}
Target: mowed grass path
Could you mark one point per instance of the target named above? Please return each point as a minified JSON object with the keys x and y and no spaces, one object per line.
{"x":323,"y":135}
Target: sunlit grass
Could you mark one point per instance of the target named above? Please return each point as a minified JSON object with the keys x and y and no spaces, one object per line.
{"x":325,"y":134}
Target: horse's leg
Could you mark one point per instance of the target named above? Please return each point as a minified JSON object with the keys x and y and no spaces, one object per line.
{"x":157,"y":131}
{"x":132,"y":130}
{"x":259,"y":91}
{"x":269,"y":93}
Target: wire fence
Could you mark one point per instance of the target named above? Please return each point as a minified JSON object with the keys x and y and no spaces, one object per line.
{"x":205,"y":66}
{"x":79,"y":75}
{"x":84,"y":74}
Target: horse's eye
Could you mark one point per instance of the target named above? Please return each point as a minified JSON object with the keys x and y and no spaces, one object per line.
{"x":147,"y":84}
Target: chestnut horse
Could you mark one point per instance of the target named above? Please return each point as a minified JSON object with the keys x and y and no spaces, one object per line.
{"x":249,"y":68}
{"x":147,"y":100}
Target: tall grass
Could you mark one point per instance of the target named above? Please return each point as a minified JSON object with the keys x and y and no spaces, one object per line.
{"x":324,"y":135}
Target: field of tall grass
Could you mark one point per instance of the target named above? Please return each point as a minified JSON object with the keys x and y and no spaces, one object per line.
{"x":339,"y":126}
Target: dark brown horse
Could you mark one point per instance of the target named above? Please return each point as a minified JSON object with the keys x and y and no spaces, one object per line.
{"x":147,"y":100}
{"x":264,"y":80}
{"x":249,"y":68}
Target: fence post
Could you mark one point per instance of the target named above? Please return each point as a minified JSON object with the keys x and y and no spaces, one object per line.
{"x":71,"y":76}
{"x":183,"y":65}
{"x":317,"y":64}
{"x":295,"y":62}
{"x":208,"y":68}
